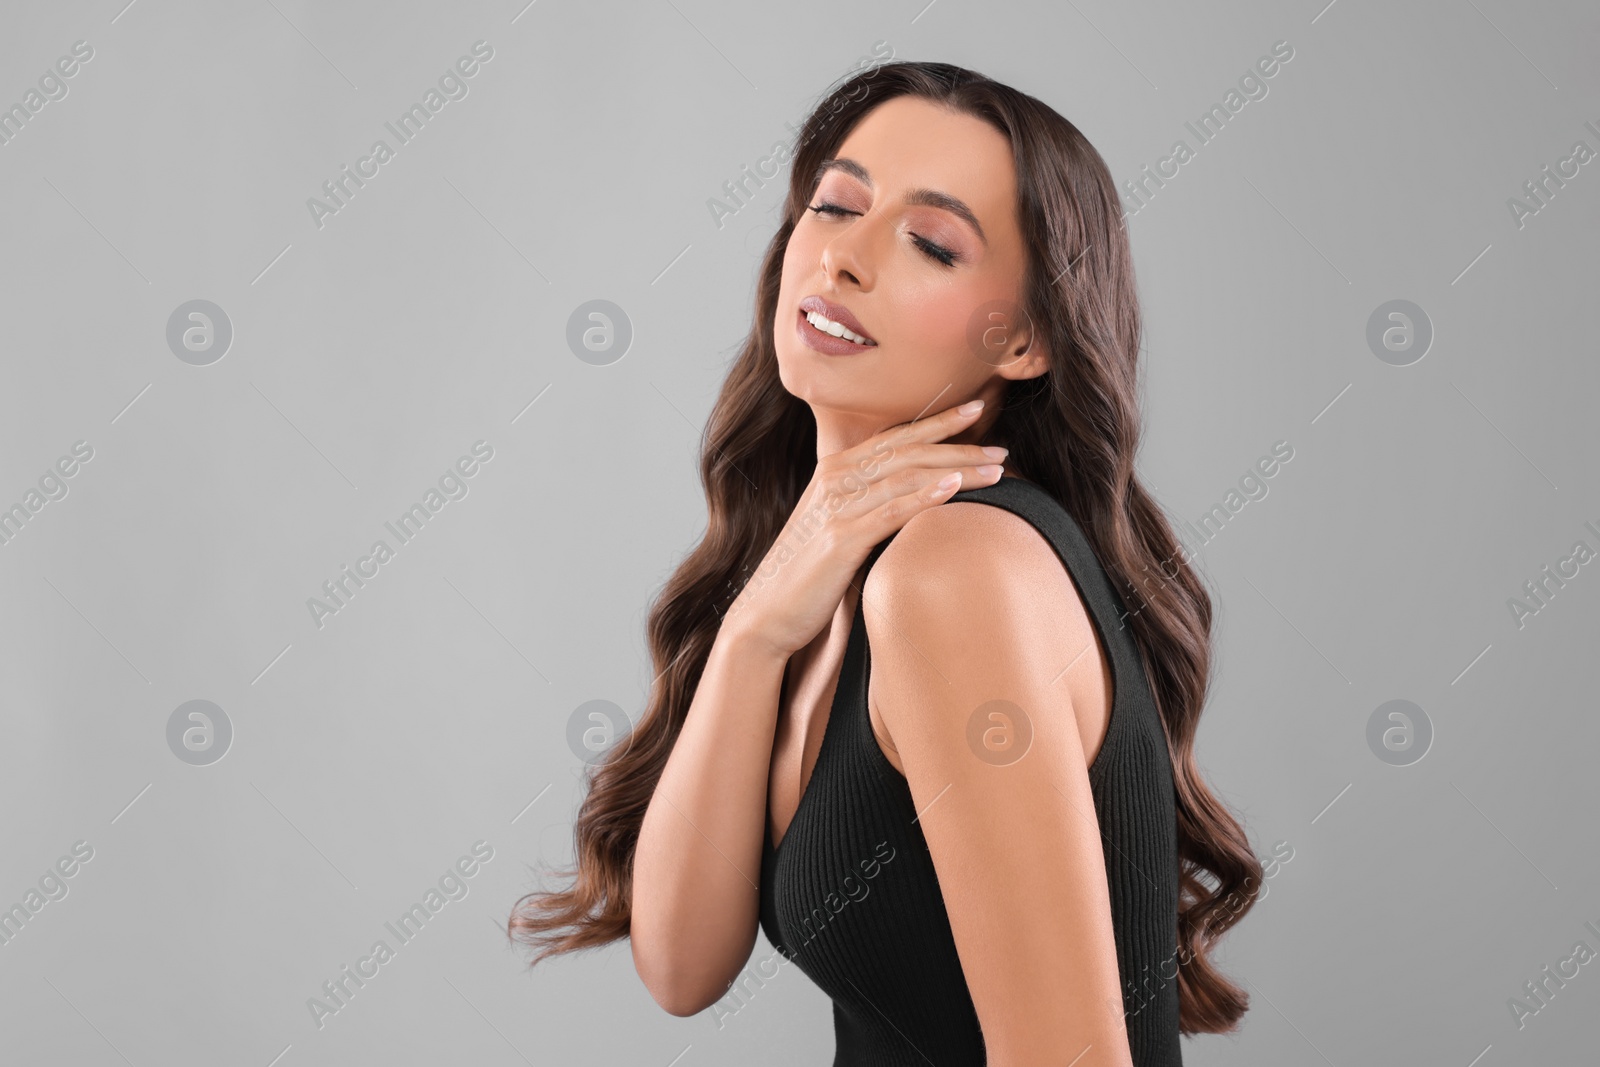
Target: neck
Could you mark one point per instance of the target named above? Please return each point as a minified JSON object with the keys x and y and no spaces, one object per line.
{"x":838,"y":430}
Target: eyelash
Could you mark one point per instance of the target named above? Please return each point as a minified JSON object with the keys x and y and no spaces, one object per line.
{"x":936,"y":252}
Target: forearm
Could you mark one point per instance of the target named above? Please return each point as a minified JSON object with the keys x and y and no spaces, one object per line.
{"x":697,"y":863}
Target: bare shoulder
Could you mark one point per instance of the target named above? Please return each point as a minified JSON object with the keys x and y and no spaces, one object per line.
{"x":958,"y":554}
{"x":975,"y":589}
{"x":973,"y":622}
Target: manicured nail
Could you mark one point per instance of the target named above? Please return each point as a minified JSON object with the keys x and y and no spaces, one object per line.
{"x":971,"y":407}
{"x":950,"y":481}
{"x":990,"y":470}
{"x":996,"y":452}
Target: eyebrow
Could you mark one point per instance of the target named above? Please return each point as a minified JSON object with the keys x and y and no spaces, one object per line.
{"x":921,"y":197}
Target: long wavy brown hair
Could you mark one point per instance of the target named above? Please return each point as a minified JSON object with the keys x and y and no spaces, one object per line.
{"x":1074,"y":431}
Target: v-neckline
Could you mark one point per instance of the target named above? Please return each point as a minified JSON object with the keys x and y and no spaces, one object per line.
{"x":857,"y":627}
{"x":1070,"y":536}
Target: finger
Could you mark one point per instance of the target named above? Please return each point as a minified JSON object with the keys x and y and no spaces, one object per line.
{"x":942,"y":456}
{"x":916,"y":489}
{"x":934,"y":427}
{"x":895,"y":512}
{"x":870,"y":455}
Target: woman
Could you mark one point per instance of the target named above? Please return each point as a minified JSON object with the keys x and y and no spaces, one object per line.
{"x":938,"y":746}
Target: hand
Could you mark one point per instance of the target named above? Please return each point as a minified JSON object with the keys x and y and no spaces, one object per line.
{"x":856,"y":498}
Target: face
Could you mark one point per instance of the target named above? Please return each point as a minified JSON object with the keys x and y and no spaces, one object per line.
{"x":915,"y":273}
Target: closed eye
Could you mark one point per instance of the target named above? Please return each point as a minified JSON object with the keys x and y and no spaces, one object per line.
{"x":934,"y":251}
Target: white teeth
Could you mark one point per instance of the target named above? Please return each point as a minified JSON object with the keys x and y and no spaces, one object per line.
{"x":827,"y":325}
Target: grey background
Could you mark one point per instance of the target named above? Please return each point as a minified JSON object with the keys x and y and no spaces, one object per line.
{"x":431,"y":312}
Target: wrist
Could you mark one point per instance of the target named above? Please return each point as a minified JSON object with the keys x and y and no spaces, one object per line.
{"x":740,"y":633}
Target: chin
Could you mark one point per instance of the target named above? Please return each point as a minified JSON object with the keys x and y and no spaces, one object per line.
{"x":799,"y":368}
{"x":803,"y":385}
{"x":800,"y":385}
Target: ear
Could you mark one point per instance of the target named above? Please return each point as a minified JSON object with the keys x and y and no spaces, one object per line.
{"x":1028,"y":357}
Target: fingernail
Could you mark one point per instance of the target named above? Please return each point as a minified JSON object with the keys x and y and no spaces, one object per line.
{"x":950,"y":481}
{"x":971,"y":407}
{"x":996,"y":452}
{"x":990,"y":470}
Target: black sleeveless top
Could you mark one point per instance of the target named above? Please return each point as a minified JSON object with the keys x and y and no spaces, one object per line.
{"x":851,"y":895}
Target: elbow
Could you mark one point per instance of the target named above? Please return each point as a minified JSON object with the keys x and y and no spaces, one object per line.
{"x":681,"y":1006}
{"x":679,"y":998}
{"x":677,"y":993}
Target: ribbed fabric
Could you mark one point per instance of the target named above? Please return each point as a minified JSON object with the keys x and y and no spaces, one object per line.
{"x":851,"y":896}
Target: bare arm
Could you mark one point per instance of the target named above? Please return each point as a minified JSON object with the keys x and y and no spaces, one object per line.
{"x":697,"y":865}
{"x":1016,"y":841}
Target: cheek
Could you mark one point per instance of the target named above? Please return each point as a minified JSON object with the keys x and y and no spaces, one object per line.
{"x":789,"y":274}
{"x":796,"y":257}
{"x":934,"y":330}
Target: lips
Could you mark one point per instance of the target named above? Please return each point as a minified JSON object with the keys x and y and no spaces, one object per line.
{"x":835,"y":312}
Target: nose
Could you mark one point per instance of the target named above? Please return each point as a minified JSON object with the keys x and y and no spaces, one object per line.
{"x":850,"y":254}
